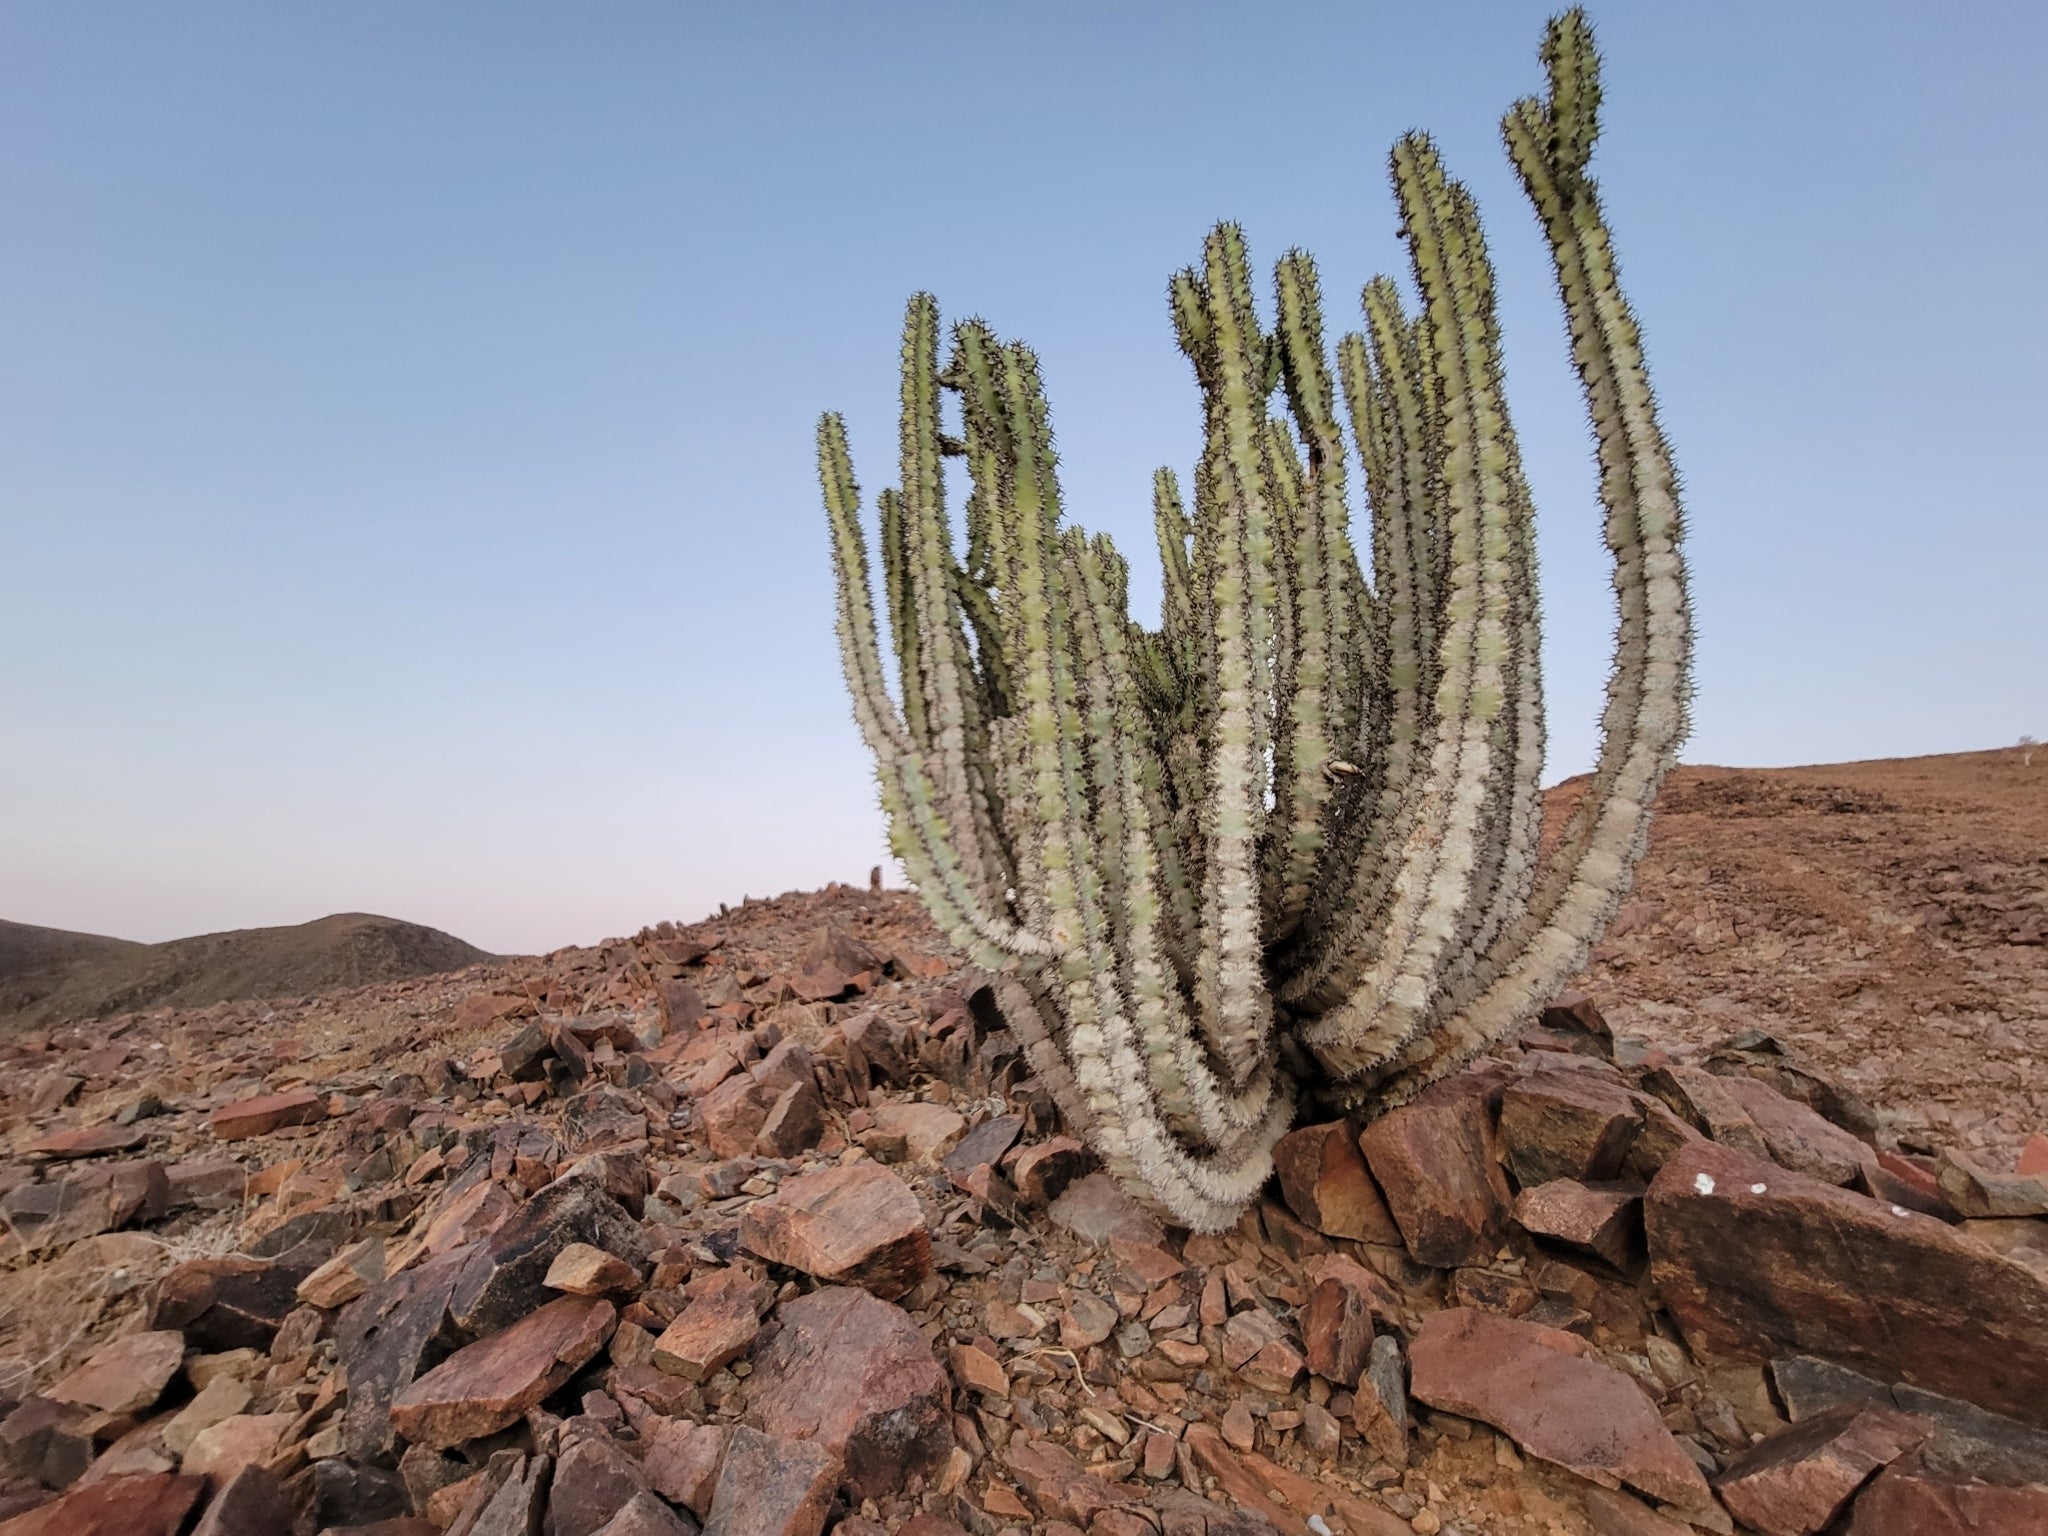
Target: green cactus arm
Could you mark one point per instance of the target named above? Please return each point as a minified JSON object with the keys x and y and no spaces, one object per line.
{"x":1239,"y":599}
{"x":1385,"y":999}
{"x":917,"y":834}
{"x":1587,"y":875}
{"x":1170,"y":525}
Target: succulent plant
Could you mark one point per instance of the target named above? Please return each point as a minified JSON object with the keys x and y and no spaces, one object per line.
{"x":1284,"y":847}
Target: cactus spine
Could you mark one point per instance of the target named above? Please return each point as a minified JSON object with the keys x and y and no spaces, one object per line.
{"x":1285,"y":845}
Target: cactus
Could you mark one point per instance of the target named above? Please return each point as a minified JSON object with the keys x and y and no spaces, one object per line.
{"x":1283,"y":848}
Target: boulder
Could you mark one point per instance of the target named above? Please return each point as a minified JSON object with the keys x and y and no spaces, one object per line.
{"x":593,"y":1481}
{"x":1567,"y":1124}
{"x":855,"y":1374}
{"x":506,"y":1277}
{"x":487,"y":1385}
{"x":1797,"y":1137}
{"x":856,"y":1224}
{"x":234,"y":1301}
{"x":1755,"y":1261}
{"x":385,"y":1339}
{"x":646,"y":1515}
{"x":1794,"y":1482}
{"x":731,"y":1115}
{"x":220,"y":1451}
{"x":1435,"y":1161}
{"x":1910,"y":1499}
{"x":252,"y":1504}
{"x":1601,"y":1219}
{"x":1324,"y":1181}
{"x":1536,"y":1386}
{"x":770,"y":1485}
{"x":682,"y":1461}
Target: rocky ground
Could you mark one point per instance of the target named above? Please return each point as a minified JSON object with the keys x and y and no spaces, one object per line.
{"x":762,"y":1225}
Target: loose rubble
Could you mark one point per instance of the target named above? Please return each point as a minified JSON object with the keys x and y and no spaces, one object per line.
{"x":764,"y":1226}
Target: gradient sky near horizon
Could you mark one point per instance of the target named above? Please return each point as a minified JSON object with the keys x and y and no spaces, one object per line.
{"x":406,"y":487}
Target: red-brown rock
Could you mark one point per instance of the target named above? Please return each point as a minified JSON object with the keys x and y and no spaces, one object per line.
{"x":274,"y":1111}
{"x":2034,"y":1156}
{"x":593,"y":1481}
{"x":731,"y":1116}
{"x":770,"y":1485}
{"x":125,"y":1376}
{"x":1435,"y":1160}
{"x":1796,"y":1137}
{"x":234,"y":1301}
{"x":1324,"y":1181}
{"x":1042,"y":1171}
{"x":1605,"y":1219}
{"x":682,"y":1461}
{"x":855,"y":1374}
{"x":152,"y":1504}
{"x":482,"y":1388}
{"x":715,"y":1329}
{"x":645,"y":1515}
{"x":1755,"y":1261}
{"x":1567,"y":1124}
{"x":87,"y":1141}
{"x":1909,"y":1499}
{"x":1794,"y":1482}
{"x":854,"y":1225}
{"x":1534,"y":1385}
{"x":1338,"y":1323}
{"x":1979,"y":1192}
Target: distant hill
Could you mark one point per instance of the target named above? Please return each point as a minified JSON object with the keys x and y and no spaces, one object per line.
{"x":49,"y":976}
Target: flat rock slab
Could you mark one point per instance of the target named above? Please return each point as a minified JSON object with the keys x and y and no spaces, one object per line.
{"x":1535,"y":1386}
{"x":481,"y":1389}
{"x":152,"y":1504}
{"x":125,"y":1376}
{"x":929,"y":1131}
{"x":853,"y":1225}
{"x":1794,"y":1482}
{"x":715,"y":1329}
{"x":272,"y":1112}
{"x":855,"y":1374}
{"x":1755,"y":1261}
{"x":1797,"y":1137}
{"x":384,"y":1338}
{"x":88,"y":1141}
{"x":1095,"y":1209}
{"x":506,"y":1278}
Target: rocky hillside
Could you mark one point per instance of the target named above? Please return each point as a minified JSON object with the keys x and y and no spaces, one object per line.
{"x":50,"y":977}
{"x":765,"y":1226}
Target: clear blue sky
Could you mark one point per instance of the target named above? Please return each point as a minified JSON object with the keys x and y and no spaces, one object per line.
{"x":406,"y":494}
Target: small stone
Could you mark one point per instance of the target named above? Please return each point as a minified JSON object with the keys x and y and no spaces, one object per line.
{"x":583,"y":1270}
{"x":645,"y":1515}
{"x":731,"y":1115}
{"x":772,"y":1486}
{"x":1380,"y":1407}
{"x":144,"y":1504}
{"x":1088,"y":1319}
{"x":857,"y":1224}
{"x":1239,"y":1427}
{"x":487,"y":1385}
{"x":593,"y":1480}
{"x":125,"y":1376}
{"x":87,"y":1141}
{"x":978,"y":1372}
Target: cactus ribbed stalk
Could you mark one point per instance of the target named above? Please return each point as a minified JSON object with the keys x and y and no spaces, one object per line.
{"x":1284,"y":846}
